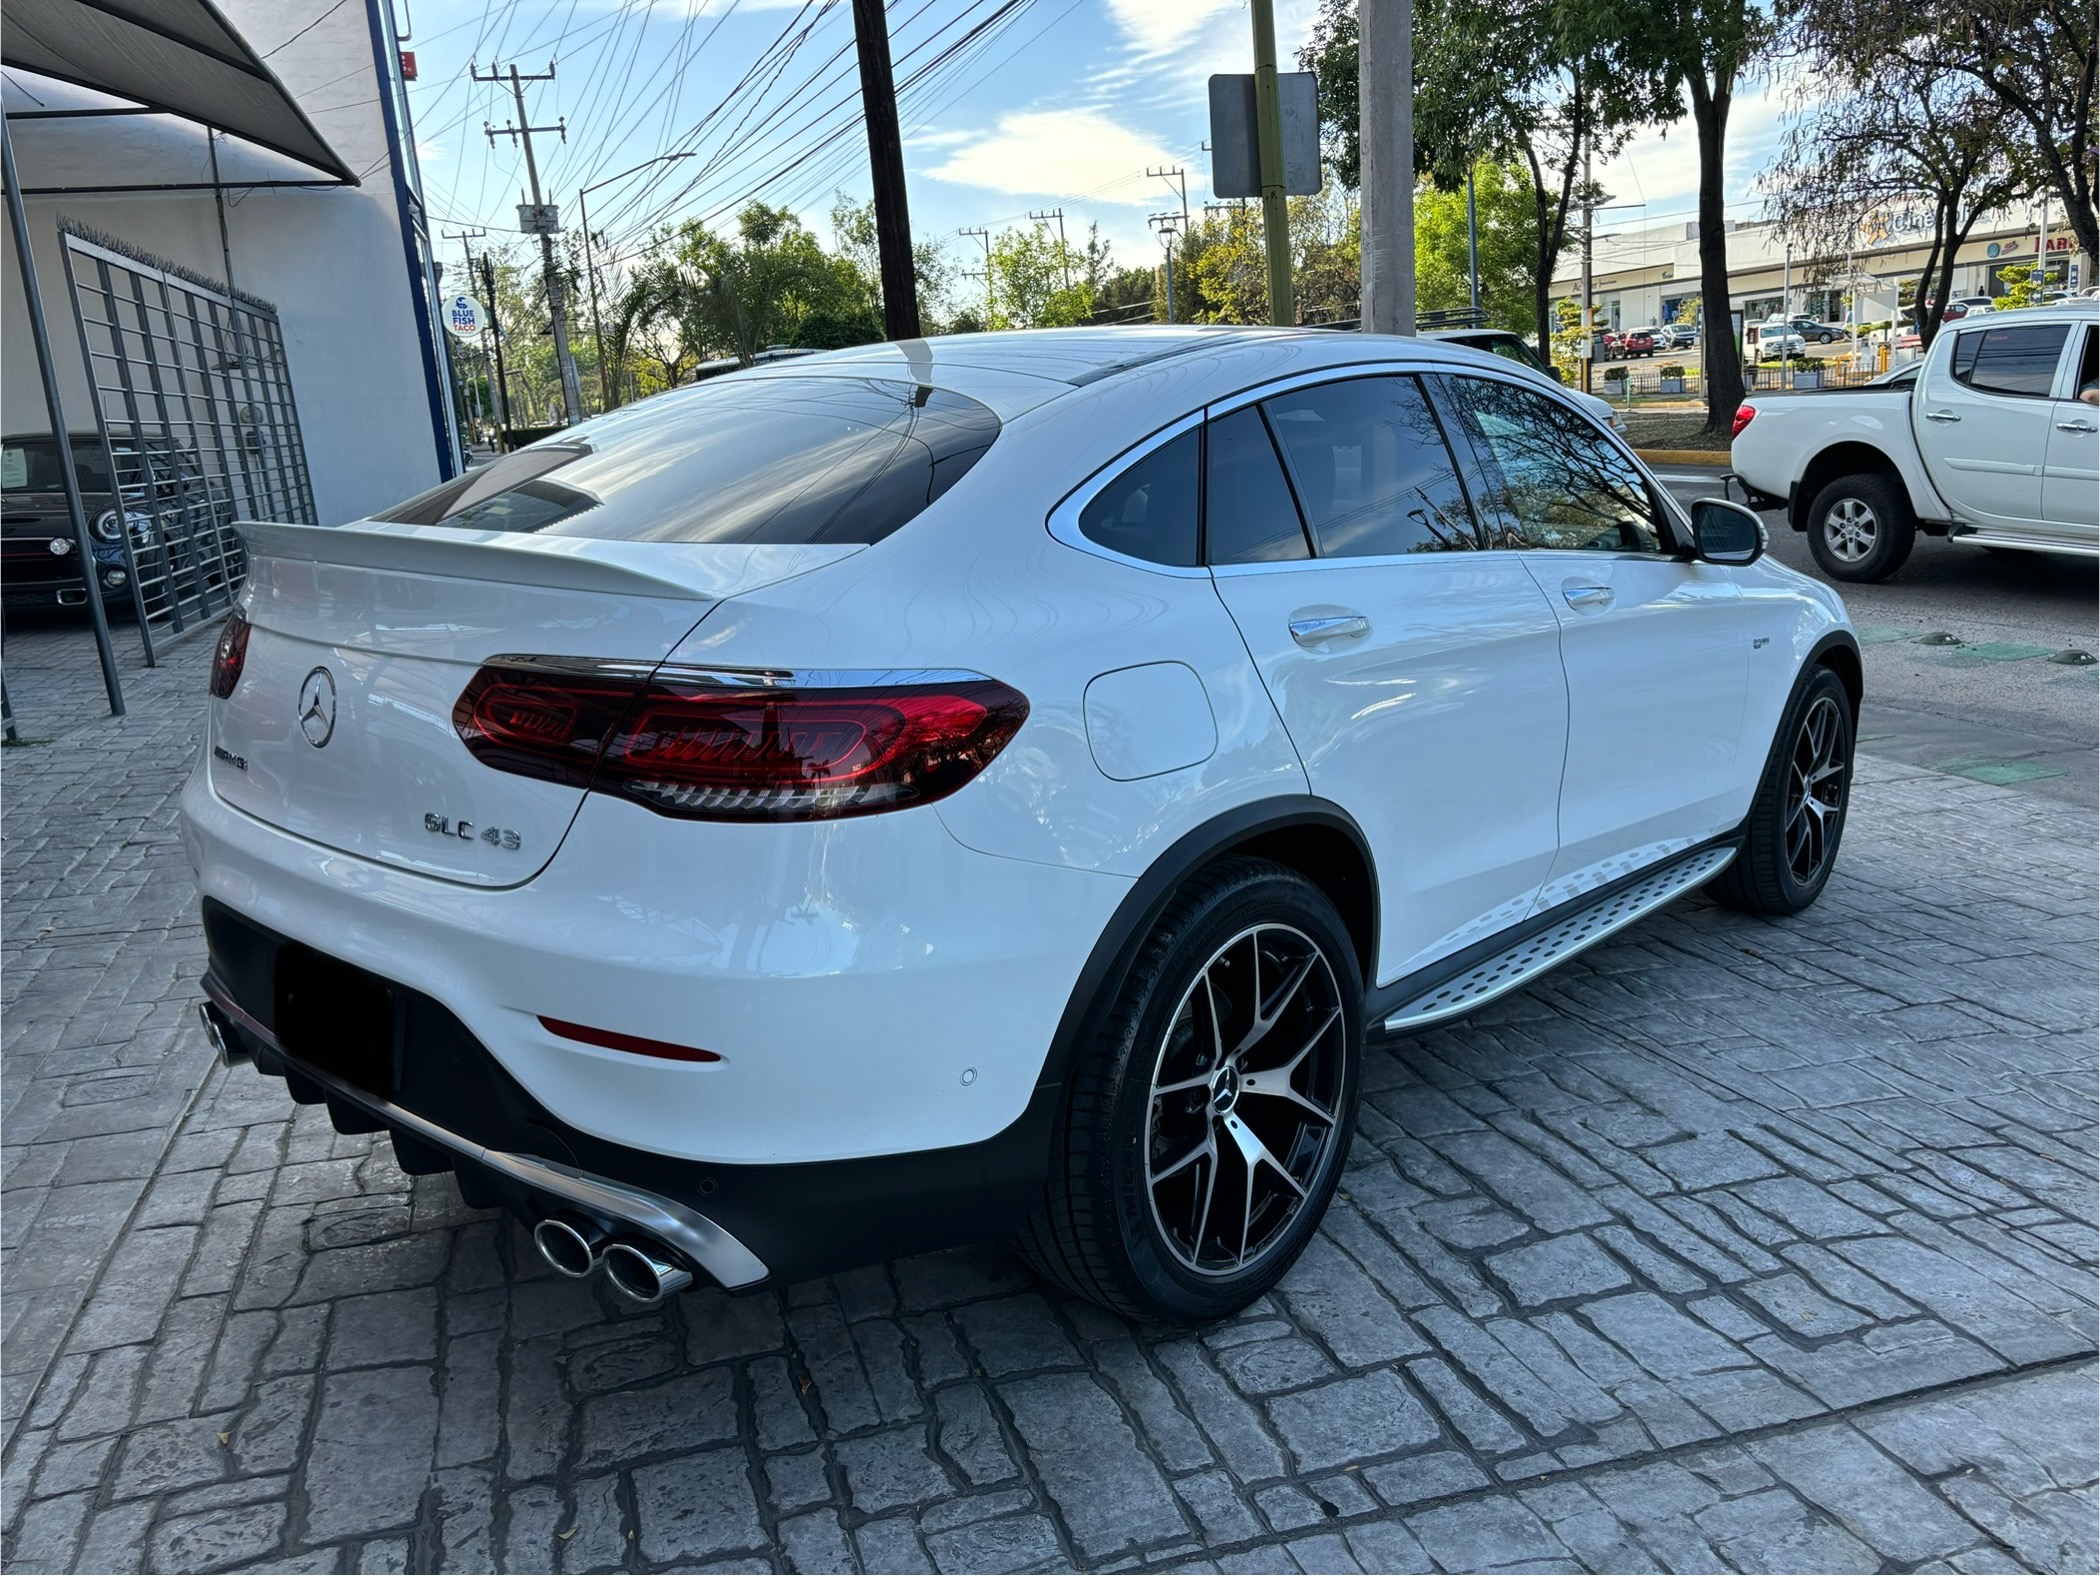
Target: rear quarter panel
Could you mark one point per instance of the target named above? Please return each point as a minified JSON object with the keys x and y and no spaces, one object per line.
{"x":1790,"y":432}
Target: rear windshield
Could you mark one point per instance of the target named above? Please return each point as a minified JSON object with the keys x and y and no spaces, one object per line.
{"x":788,"y":460}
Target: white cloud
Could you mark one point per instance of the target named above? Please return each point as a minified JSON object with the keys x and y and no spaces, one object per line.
{"x":1058,"y":153}
{"x":1155,"y":27}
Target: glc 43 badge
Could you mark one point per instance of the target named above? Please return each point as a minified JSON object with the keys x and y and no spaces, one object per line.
{"x":495,"y":836}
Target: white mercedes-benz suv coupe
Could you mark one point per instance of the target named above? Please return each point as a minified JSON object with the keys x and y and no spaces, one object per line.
{"x":986,"y":785}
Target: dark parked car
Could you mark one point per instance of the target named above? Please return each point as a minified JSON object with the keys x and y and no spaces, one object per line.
{"x":175,"y":523}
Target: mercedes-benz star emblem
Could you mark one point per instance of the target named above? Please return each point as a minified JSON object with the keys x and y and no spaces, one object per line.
{"x":317,"y":707}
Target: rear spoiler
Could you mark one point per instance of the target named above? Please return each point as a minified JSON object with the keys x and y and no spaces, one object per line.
{"x":685,"y":571}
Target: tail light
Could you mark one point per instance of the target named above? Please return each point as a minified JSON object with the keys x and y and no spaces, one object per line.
{"x":231,"y":655}
{"x":1744,"y":415}
{"x":735,"y":747}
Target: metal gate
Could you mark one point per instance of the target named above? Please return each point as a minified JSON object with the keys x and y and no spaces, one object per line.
{"x":193,"y":402}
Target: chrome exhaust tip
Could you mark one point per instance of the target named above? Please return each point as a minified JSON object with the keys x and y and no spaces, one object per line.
{"x":641,"y":1272}
{"x":570,"y":1248}
{"x":225,"y":1040}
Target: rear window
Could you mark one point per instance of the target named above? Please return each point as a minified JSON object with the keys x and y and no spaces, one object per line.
{"x":2010,"y":360}
{"x":781,"y":460}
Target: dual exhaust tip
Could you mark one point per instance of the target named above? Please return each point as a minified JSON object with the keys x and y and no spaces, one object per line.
{"x":637,"y":1270}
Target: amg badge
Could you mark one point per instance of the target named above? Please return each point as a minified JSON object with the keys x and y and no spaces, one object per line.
{"x":494,"y":836}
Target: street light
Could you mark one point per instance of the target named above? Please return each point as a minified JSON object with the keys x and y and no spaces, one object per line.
{"x":590,"y":269}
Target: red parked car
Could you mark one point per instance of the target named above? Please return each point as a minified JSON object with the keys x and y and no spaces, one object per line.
{"x":1637,"y":342}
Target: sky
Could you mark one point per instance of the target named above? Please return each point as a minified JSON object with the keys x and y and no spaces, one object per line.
{"x":1008,"y":107}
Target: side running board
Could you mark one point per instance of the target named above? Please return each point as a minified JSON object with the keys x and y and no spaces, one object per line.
{"x":1534,"y":955}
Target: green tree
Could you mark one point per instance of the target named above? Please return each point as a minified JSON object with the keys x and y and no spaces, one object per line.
{"x":762,"y":287}
{"x":853,"y":234}
{"x":1505,"y":218}
{"x":1037,"y":280}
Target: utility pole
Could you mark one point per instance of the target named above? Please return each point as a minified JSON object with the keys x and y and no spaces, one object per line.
{"x":1166,"y":226}
{"x":878,"y":102}
{"x":1472,"y":242}
{"x":1589,"y":226}
{"x":466,"y":239}
{"x":991,"y":306}
{"x":1178,"y":178}
{"x":1385,"y":89}
{"x":571,"y":389}
{"x":1268,"y":124}
{"x":590,"y":267}
{"x":503,"y":421}
{"x":1064,"y":256}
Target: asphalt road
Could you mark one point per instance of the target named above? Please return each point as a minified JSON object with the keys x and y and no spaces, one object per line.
{"x":1993,"y":707}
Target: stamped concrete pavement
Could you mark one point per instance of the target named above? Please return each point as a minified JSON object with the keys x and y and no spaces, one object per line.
{"x":1765,"y":1246}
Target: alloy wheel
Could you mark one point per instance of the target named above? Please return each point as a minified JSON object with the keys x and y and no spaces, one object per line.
{"x":1850,"y":530}
{"x":1815,"y":800}
{"x":1245,"y":1100}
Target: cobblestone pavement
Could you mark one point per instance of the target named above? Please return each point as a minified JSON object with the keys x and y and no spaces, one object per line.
{"x":1736,"y":1244}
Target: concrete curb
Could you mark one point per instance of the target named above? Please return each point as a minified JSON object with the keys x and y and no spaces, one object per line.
{"x":1683,"y":457}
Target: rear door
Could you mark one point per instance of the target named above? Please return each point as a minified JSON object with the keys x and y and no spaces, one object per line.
{"x":2071,"y":474}
{"x":1656,"y":646}
{"x":1418,"y":675}
{"x":1982,"y":411}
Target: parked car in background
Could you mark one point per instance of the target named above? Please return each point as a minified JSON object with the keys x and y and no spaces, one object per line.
{"x":1637,"y":342}
{"x":1816,"y":332}
{"x":1974,"y":303}
{"x":603,"y":833}
{"x":1680,"y":336}
{"x":174,"y":519}
{"x":1994,"y":441}
{"x":1514,"y":347}
{"x":1777,"y":338}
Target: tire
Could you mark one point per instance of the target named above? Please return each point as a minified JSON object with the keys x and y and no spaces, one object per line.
{"x":1790,"y":845}
{"x":1142,"y":1197}
{"x":1860,"y":528}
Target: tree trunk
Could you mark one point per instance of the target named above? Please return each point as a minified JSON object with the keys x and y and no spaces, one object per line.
{"x":1724,"y":362}
{"x":1542,"y":281}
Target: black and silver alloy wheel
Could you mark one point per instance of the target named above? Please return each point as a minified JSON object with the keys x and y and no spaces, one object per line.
{"x":1209,"y":1110}
{"x":1245,"y":1091}
{"x":1816,"y":778}
{"x":1790,"y":838}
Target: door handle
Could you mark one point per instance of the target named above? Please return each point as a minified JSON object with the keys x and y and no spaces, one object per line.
{"x":1941,"y":415}
{"x":1587,"y":596}
{"x":1313,"y":629}
{"x":2076,"y":426}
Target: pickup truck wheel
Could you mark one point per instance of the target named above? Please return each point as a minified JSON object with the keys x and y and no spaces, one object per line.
{"x":1860,"y":528}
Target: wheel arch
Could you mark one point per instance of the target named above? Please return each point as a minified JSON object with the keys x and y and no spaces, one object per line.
{"x":1851,"y":458}
{"x":1313,"y":836}
{"x":1839,"y":652}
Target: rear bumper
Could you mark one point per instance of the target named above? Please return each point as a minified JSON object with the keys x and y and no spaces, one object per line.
{"x":453,"y":1108}
{"x":872,"y":987}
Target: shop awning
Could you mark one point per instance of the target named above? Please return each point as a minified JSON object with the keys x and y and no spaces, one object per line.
{"x":176,"y":56}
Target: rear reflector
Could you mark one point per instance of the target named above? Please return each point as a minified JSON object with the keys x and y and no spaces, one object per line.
{"x":633,"y":1044}
{"x":231,"y":655}
{"x":735,"y":747}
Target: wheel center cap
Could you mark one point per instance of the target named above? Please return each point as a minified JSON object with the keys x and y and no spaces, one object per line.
{"x":1224,"y":1090}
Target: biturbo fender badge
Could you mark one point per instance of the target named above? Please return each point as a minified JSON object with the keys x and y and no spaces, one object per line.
{"x":317,"y":707}
{"x":495,"y":836}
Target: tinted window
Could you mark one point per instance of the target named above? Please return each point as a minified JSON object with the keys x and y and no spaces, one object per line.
{"x":785,"y":459}
{"x":2089,"y":369}
{"x":31,"y":465}
{"x":2010,"y":360}
{"x":1549,"y":478}
{"x":1149,"y":511}
{"x":1249,"y":516}
{"x":1511,"y":348}
{"x":1371,"y":469}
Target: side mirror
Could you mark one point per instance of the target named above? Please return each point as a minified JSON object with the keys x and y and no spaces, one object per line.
{"x":1725,"y":532}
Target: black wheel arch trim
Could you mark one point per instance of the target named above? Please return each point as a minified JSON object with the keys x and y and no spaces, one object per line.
{"x":1854,"y":681}
{"x":1100,"y":981}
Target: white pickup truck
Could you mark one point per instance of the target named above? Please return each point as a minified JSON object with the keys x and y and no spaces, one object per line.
{"x":1996,"y":442}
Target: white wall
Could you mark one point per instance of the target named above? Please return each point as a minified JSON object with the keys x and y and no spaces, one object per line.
{"x":331,"y":260}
